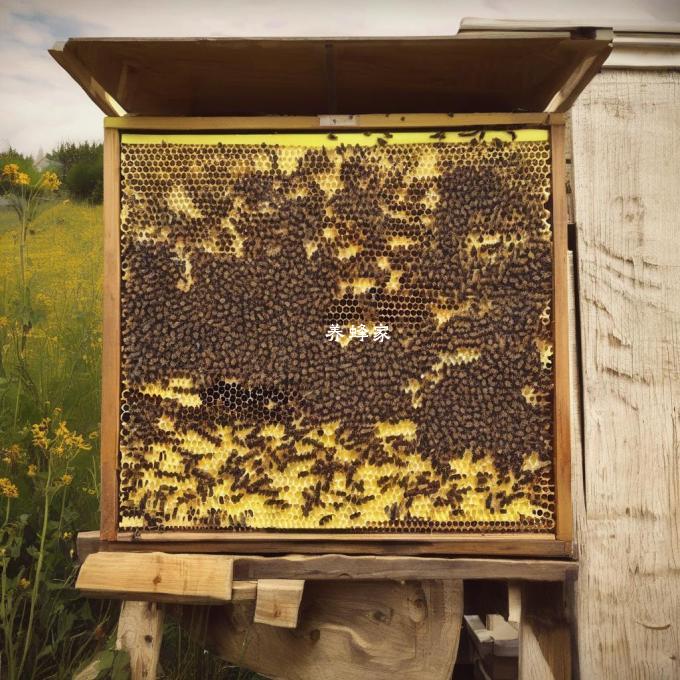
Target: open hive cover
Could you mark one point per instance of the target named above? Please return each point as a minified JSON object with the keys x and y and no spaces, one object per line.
{"x":346,"y":332}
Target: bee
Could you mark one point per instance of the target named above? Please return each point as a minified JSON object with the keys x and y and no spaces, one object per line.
{"x":382,"y":142}
{"x":389,"y":135}
{"x":325,"y":519}
{"x":438,"y":135}
{"x":136,"y":534}
{"x":332,"y":136}
{"x":513,"y":135}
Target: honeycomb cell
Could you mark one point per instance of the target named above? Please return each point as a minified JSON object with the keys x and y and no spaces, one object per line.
{"x":428,"y":409}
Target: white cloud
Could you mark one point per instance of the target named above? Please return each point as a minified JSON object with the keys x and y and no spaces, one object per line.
{"x":41,"y":105}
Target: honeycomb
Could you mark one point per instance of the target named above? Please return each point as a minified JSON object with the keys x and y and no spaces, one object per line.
{"x":337,"y":332}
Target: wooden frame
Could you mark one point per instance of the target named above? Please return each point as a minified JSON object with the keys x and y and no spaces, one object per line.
{"x":111,"y":337}
{"x":516,"y":544}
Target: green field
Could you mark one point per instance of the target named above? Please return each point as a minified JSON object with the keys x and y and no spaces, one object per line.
{"x":63,"y":347}
{"x":50,"y":360}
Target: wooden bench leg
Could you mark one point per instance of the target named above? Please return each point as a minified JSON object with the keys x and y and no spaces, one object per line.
{"x":544,"y":634}
{"x":140,"y":632}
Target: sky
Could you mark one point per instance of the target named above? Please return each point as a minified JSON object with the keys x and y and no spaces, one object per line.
{"x":40,"y":105}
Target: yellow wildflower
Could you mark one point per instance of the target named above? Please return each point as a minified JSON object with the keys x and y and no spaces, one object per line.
{"x":12,"y":454}
{"x":39,"y":431}
{"x":32,"y":471}
{"x":10,"y":170}
{"x":8,"y":489}
{"x":66,"y":479}
{"x":93,"y":435}
{"x":24,"y":583}
{"x":21,"y":178}
{"x":50,"y":181}
{"x":67,"y":535}
{"x":71,"y":439}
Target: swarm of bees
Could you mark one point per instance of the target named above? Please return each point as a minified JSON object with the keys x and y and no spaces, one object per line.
{"x":237,"y":413}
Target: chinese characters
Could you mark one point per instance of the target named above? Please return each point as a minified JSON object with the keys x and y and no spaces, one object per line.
{"x":381,"y":332}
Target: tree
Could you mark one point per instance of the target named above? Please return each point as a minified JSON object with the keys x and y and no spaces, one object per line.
{"x":81,"y":168}
{"x":12,"y":157}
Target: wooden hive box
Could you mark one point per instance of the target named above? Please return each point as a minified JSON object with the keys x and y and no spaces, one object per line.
{"x":335,"y":314}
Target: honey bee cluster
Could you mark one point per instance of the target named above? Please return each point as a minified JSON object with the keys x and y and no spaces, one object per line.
{"x":237,"y":413}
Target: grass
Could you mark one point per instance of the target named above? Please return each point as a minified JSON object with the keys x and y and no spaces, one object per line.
{"x":50,"y":366}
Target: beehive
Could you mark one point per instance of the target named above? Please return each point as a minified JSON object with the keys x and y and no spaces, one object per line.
{"x":335,"y":316}
{"x":346,"y":332}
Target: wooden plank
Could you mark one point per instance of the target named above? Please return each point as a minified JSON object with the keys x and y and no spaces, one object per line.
{"x":514,"y":604}
{"x":377,"y":567}
{"x":243,"y":590}
{"x":278,"y":602}
{"x":506,"y":545}
{"x":140,"y":633}
{"x":74,"y":67}
{"x":369,"y":121}
{"x":583,"y":73}
{"x":159,"y":577}
{"x":331,"y":537}
{"x":626,"y":137}
{"x":479,"y":635}
{"x":544,"y":636}
{"x":370,"y":567}
{"x":350,"y":630}
{"x":562,"y":460}
{"x":111,"y":337}
{"x":240,"y":76}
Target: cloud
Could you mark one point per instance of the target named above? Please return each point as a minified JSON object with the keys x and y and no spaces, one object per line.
{"x":41,"y":105}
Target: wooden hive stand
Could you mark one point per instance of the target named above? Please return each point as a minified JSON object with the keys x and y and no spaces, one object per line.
{"x":305,"y":617}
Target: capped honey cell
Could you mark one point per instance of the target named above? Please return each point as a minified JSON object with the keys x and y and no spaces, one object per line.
{"x":337,"y":332}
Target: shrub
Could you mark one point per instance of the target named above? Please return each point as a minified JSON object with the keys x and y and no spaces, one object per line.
{"x":84,"y":181}
{"x":80,"y":167}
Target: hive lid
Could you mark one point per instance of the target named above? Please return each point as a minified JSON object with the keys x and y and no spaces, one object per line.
{"x":472,"y":71}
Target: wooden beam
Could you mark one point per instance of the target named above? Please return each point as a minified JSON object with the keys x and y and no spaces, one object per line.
{"x":627,"y":209}
{"x":350,"y":630}
{"x":159,"y":577}
{"x":140,"y":633}
{"x":577,"y":81}
{"x":110,"y":408}
{"x":324,"y":567}
{"x":72,"y":65}
{"x":544,"y":635}
{"x":243,"y":591}
{"x":504,"y":545}
{"x":562,"y":428}
{"x":278,"y":602}
{"x":514,"y":603}
{"x":378,"y":567}
{"x":369,"y":121}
